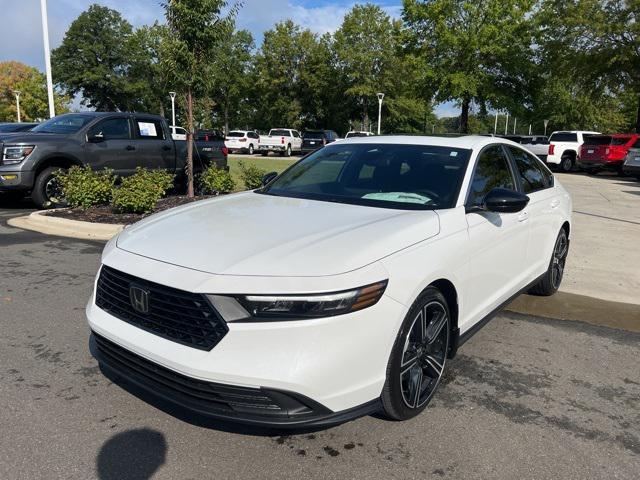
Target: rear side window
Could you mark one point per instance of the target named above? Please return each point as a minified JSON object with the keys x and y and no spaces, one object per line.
{"x":280,"y":133}
{"x":564,"y":137}
{"x":620,"y":140}
{"x":492,"y":171}
{"x":149,"y":129}
{"x":597,"y":140}
{"x":112,"y":129}
{"x":533,"y":175}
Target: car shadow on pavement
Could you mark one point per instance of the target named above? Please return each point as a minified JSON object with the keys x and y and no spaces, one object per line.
{"x":133,"y":454}
{"x":202,"y":421}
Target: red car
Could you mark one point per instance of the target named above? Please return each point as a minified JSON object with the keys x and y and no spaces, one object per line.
{"x":605,"y":152}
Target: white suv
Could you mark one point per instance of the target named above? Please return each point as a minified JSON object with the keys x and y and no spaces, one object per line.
{"x":564,"y":148}
{"x":246,"y":141}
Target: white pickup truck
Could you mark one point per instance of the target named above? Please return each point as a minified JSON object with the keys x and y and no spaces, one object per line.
{"x":282,"y":140}
{"x":564,"y":148}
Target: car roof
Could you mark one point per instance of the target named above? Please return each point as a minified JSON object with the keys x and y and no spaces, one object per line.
{"x":463,"y":141}
{"x":576,"y":131}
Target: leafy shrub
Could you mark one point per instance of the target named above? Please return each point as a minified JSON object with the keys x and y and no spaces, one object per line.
{"x":140,"y":192}
{"x":82,"y":187}
{"x":217,"y":180}
{"x":251,"y":175}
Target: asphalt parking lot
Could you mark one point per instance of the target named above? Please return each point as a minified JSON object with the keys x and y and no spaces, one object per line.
{"x":527,"y":397}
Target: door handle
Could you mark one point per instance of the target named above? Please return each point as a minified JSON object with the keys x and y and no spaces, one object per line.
{"x":555,"y":203}
{"x":130,"y":147}
{"x":523,"y":217}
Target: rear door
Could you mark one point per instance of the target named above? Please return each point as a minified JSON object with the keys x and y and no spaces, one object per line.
{"x":155,"y":149}
{"x":545,"y":218}
{"x":110,"y":144}
{"x":499,"y":241}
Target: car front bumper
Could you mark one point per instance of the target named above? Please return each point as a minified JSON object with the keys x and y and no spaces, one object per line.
{"x":631,"y":169}
{"x":16,"y":180}
{"x":325,"y":370}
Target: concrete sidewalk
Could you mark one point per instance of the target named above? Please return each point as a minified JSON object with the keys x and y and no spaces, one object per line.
{"x":604,"y":257}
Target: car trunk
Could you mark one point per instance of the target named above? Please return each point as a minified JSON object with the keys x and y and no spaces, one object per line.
{"x":595,"y":148}
{"x":312,"y":140}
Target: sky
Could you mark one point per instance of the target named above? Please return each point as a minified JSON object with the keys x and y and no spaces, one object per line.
{"x":21,"y":31}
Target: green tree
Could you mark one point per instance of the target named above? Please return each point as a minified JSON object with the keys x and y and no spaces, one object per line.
{"x":33,"y":97}
{"x":230,"y":76}
{"x":195,"y":30}
{"x":94,"y":59}
{"x":365,"y":48}
{"x":473,"y":51}
{"x":597,"y":43}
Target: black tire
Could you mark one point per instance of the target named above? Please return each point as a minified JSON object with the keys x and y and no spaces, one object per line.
{"x":638,"y":177}
{"x":418,"y":357}
{"x":552,"y":278}
{"x":250,"y":152}
{"x":287,"y":152}
{"x":566,"y":164}
{"x":45,"y":193}
{"x":264,"y":153}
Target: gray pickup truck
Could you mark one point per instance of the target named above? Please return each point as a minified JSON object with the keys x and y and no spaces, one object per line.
{"x":119,"y":141}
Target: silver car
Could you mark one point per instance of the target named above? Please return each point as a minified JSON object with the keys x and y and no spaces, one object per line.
{"x":632,"y":161}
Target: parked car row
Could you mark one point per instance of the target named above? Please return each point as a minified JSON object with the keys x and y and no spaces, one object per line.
{"x":285,"y":141}
{"x":120,"y":141}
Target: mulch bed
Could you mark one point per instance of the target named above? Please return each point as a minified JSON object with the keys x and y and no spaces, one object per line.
{"x":105,"y":214}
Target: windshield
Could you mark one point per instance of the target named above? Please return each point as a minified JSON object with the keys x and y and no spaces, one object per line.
{"x":235,"y":134}
{"x":280,"y":133}
{"x":356,"y":134}
{"x":15,"y":127}
{"x":412,"y":177}
{"x":318,"y":135}
{"x":597,"y":140}
{"x":63,"y":124}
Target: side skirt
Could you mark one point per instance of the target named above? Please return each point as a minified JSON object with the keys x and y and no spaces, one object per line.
{"x":459,"y":339}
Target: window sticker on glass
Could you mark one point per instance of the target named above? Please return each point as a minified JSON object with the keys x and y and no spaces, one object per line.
{"x":147,"y":129}
{"x":453,"y":154}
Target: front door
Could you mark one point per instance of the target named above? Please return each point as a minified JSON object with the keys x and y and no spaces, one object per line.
{"x":155,"y":149}
{"x":110,"y":145}
{"x":498,"y":241}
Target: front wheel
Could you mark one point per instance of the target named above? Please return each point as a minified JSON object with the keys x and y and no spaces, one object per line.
{"x":250,"y":149}
{"x":418,"y":357}
{"x":552,"y":278}
{"x":47,"y":192}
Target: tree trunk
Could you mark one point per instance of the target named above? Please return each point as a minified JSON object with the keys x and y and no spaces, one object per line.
{"x":638,"y":116}
{"x":189,"y":166}
{"x":365,"y":116}
{"x":161,"y":110}
{"x":226,"y":118}
{"x":464,"y":115}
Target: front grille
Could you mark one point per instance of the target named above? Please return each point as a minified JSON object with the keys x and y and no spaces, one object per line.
{"x":183,"y":317}
{"x":188,"y":391}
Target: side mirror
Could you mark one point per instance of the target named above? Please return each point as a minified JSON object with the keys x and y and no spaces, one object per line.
{"x":95,"y":138}
{"x":501,"y":200}
{"x":268,"y":177}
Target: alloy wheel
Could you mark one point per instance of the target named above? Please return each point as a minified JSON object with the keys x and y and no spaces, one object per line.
{"x":559,"y":258}
{"x":424,"y":354}
{"x":53,"y":191}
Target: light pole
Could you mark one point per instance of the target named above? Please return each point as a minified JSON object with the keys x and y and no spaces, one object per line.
{"x":380,"y":97}
{"x":515,"y":122}
{"x":47,"y":57}
{"x":173,"y":109}
{"x":495,"y":125}
{"x":506,"y":124}
{"x":18,"y":92}
{"x":546,"y":122}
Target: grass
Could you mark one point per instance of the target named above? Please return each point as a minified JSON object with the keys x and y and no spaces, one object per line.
{"x":268,"y":164}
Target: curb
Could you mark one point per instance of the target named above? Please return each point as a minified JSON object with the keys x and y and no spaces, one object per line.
{"x":41,"y":222}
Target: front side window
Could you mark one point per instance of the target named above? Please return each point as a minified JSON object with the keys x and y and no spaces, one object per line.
{"x":492,"y":171}
{"x":149,"y":129}
{"x":111,"y":129}
{"x":533,"y":176}
{"x":411,"y":177}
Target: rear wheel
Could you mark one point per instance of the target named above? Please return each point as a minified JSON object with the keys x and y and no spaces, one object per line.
{"x":418,"y":357}
{"x":551,"y":280}
{"x":251,"y":149}
{"x":264,"y":153}
{"x":287,"y":152}
{"x":566,"y":164}
{"x":47,"y":192}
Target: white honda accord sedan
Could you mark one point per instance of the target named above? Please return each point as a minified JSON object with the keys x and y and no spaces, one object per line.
{"x":340,"y":288}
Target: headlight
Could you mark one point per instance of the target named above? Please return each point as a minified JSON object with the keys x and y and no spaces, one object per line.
{"x":292,"y":307}
{"x":16,"y":154}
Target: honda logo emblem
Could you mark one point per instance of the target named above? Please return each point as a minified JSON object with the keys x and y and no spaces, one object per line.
{"x":139,"y":298}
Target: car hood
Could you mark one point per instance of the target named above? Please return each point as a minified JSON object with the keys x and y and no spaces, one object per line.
{"x":31,"y":137}
{"x":255,"y":234}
